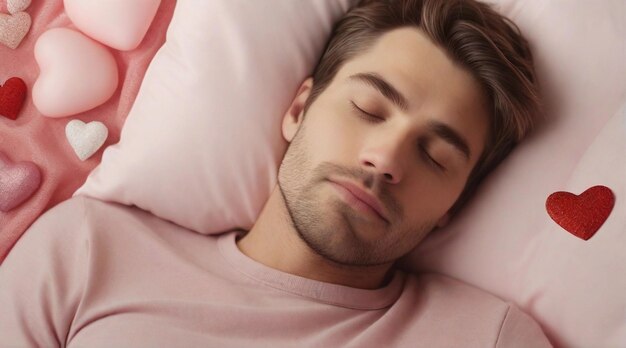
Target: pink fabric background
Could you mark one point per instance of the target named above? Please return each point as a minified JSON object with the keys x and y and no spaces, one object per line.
{"x":33,"y":137}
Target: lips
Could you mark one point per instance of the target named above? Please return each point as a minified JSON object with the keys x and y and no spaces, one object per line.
{"x":363,"y":196}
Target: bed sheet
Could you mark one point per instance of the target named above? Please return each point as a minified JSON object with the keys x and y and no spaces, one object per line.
{"x":41,"y":140}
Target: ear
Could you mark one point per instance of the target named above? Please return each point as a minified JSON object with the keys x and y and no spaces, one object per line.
{"x":295,"y":114}
{"x":443,"y":221}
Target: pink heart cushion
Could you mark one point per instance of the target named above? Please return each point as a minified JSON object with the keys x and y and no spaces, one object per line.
{"x":76,"y":73}
{"x":120,"y":24}
{"x":18,"y":181}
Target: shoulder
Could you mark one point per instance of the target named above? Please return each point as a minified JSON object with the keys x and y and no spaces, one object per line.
{"x":520,"y":330}
{"x":70,"y":216}
{"x":58,"y":226}
{"x":85,"y":215}
{"x":108,"y":228}
{"x":478,"y":311}
{"x":59,"y":235}
{"x":442,"y":287}
{"x":71,"y":224}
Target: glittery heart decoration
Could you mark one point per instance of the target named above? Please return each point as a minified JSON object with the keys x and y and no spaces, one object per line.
{"x":13,"y":28}
{"x":86,"y":139}
{"x":12,"y":95}
{"x":76,"y":73}
{"x":581,"y":215}
{"x":120,"y":24}
{"x":18,"y":182}
{"x":15,"y":6}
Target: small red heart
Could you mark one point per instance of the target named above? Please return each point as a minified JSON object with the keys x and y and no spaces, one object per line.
{"x":581,"y":215}
{"x":12,"y":96}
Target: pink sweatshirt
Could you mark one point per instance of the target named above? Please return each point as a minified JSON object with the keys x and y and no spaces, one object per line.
{"x":94,"y":274}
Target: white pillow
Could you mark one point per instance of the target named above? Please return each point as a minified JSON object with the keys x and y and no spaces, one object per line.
{"x":202,"y":143}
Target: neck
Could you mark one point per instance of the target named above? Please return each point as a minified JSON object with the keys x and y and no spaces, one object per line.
{"x":274,"y":242}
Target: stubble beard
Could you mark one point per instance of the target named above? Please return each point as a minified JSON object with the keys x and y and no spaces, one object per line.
{"x":332,"y":235}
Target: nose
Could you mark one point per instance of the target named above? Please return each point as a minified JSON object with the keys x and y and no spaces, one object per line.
{"x":384,"y":157}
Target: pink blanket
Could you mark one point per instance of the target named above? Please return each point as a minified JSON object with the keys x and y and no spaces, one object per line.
{"x":35,"y":138}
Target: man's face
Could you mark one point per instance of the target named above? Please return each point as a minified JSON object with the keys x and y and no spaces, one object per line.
{"x":413,"y":157}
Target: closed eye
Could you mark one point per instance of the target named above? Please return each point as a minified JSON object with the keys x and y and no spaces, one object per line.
{"x":375,"y":119}
{"x":430,"y":160}
{"x":366,"y":115}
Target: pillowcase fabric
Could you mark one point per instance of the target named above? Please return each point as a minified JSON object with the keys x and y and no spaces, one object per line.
{"x":202,"y":143}
{"x":504,"y":240}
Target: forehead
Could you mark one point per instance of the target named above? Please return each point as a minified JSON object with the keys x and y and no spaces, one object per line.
{"x":435,"y":87}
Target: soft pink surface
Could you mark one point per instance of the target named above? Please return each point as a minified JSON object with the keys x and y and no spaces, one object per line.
{"x":212,"y":167}
{"x":41,"y":140}
{"x":95,"y":274}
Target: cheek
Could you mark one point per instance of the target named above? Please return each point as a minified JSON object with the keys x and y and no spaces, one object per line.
{"x":330,"y":137}
{"x":426,"y":199}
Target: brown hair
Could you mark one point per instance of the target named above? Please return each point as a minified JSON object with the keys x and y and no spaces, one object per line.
{"x":475,"y":36}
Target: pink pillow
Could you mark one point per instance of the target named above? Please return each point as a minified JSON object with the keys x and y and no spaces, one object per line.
{"x":576,"y":289}
{"x":505,"y":241}
{"x":202,"y":143}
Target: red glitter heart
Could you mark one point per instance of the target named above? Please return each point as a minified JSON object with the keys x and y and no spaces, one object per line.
{"x":581,"y":215}
{"x":12,"y":96}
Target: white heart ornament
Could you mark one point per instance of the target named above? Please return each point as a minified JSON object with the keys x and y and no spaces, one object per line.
{"x":76,"y":73}
{"x":85,"y":138}
{"x":120,"y":24}
{"x":13,"y":28}
{"x":15,"y":6}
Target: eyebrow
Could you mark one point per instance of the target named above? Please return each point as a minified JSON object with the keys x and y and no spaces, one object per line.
{"x":385,"y":88}
{"x":450,"y":136}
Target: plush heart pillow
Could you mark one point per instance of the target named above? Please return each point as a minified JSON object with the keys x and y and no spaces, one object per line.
{"x":70,"y":63}
{"x":120,"y":24}
{"x":202,"y":143}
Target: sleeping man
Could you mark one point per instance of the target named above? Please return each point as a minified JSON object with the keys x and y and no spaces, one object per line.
{"x":412,"y":104}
